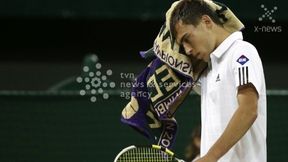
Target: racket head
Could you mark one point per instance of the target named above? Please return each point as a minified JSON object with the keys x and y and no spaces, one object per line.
{"x":152,"y":153}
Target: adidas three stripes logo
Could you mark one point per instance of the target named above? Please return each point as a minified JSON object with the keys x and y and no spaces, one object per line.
{"x":243,"y":75}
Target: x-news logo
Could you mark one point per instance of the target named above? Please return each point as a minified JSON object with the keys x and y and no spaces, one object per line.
{"x":268,"y":16}
{"x":268,"y":29}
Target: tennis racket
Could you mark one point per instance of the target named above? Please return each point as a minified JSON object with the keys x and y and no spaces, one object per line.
{"x":152,"y":153}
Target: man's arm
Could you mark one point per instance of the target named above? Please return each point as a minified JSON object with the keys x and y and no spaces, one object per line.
{"x":240,"y":122}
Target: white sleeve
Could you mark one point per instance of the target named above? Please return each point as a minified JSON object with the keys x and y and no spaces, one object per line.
{"x":247,"y":66}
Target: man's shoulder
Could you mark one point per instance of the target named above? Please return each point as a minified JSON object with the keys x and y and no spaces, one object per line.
{"x":244,"y":45}
{"x":241,"y":47}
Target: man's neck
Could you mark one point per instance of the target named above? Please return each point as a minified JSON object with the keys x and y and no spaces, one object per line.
{"x":222,"y":34}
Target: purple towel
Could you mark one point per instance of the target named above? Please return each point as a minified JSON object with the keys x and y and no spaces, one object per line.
{"x":156,"y":94}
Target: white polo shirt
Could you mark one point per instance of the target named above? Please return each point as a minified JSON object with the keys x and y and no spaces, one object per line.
{"x":233,"y":63}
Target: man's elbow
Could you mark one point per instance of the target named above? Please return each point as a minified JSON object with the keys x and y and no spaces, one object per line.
{"x":252,"y":113}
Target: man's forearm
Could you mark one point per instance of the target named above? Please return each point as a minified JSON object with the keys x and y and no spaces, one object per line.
{"x":241,"y":121}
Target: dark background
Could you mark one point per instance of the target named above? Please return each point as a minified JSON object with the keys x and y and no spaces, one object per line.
{"x":43,"y":35}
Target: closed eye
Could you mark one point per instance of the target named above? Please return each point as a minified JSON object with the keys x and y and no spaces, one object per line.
{"x":183,"y":39}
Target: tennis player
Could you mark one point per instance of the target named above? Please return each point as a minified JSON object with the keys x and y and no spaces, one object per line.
{"x":233,"y":93}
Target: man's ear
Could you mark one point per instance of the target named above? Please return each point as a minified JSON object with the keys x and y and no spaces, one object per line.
{"x":207,"y":21}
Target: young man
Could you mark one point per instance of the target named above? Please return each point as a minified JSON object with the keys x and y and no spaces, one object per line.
{"x":233,"y":92}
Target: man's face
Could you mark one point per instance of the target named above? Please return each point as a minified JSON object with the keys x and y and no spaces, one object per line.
{"x":196,"y":40}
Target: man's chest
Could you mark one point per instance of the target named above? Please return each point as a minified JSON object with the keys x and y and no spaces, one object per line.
{"x":218,"y":91}
{"x":219,"y":77}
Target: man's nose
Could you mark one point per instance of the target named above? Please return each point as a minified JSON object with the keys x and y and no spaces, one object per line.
{"x":188,"y":49}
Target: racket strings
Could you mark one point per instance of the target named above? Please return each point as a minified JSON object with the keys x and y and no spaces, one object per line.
{"x":143,"y":154}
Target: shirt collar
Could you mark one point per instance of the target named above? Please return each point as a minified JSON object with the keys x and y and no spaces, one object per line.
{"x":222,"y":48}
